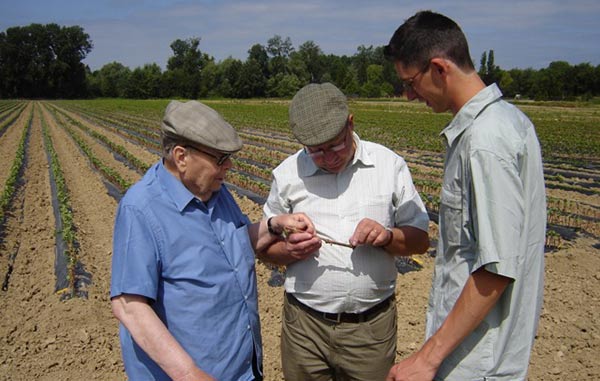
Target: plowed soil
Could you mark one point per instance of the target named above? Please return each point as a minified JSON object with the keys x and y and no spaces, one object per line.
{"x":46,"y":337}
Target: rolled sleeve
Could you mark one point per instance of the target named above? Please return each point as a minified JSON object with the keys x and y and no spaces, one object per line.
{"x":499,"y":213}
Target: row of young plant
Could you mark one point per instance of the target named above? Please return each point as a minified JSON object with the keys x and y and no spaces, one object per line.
{"x":130,"y":131}
{"x":133,"y":161}
{"x":248,"y":176}
{"x":6,"y":107}
{"x":107,"y":172}
{"x":146,"y":127}
{"x":271,"y":142}
{"x":10,"y":186}
{"x":263,"y":154}
{"x":10,"y":117}
{"x":67,"y":225}
{"x":271,"y":149}
{"x":118,"y":116}
{"x":6,"y":104}
{"x":243,"y":181}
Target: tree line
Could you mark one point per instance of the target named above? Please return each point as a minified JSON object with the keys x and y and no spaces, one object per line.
{"x":45,"y":61}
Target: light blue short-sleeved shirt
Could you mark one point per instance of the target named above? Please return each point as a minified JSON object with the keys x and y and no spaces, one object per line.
{"x":492,"y":215}
{"x":195,"y":263}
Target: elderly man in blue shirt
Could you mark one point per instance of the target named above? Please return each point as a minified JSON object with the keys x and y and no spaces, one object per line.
{"x":183,"y":276}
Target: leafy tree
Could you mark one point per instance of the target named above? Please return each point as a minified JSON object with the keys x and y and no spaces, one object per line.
{"x":364,"y":57}
{"x":144,"y":82}
{"x":376,"y":86}
{"x":312,"y":56}
{"x":582,"y":79}
{"x":336,"y":69}
{"x":251,"y":82}
{"x":185,"y":66}
{"x":113,"y":79}
{"x":488,"y":71}
{"x":210,"y":80}
{"x":506,"y":84}
{"x":229,"y":76}
{"x":279,"y":50}
{"x":283,"y":85}
{"x":297,"y":66}
{"x":350,"y":85}
{"x":43,"y":61}
{"x":259,"y":54}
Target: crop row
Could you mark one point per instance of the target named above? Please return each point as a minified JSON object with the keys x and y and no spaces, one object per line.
{"x":139,"y":165}
{"x":66,"y":225}
{"x":130,"y":131}
{"x":109,"y":173}
{"x":10,"y":116}
{"x":398,"y":126}
{"x":10,"y":185}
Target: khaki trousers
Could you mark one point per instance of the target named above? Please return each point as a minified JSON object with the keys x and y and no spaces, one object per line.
{"x":320,"y":350}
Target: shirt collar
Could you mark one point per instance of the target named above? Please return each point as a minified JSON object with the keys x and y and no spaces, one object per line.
{"x":469,"y":112}
{"x":175,"y":189}
{"x":307,"y":166}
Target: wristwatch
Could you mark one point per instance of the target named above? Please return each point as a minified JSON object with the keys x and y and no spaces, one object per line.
{"x":270,"y":227}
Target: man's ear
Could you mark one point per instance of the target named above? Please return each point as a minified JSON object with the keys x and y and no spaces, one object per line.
{"x":179,"y":154}
{"x":440,"y":66}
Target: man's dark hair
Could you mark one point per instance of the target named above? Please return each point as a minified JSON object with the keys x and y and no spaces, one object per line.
{"x":427,"y":35}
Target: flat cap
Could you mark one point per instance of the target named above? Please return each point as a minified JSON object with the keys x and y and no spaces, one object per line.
{"x":200,"y":124}
{"x":318,"y":113}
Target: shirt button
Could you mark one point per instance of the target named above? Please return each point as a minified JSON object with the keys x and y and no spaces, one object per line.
{"x":246,"y":297}
{"x":248,"y":327}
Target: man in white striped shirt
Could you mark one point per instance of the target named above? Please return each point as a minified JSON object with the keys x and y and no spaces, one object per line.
{"x":339,"y":309}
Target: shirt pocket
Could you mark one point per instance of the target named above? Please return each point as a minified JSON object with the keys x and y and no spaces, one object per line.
{"x":242,"y":246}
{"x":377,"y":207}
{"x":451,"y":217}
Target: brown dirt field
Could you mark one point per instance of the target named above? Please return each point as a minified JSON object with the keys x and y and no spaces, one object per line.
{"x":45,"y":338}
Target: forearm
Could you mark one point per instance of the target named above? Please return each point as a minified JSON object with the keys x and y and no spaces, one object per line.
{"x":260,"y":237}
{"x":277,"y":254}
{"x":300,"y":239}
{"x":480,"y":294}
{"x":153,"y":337}
{"x":407,"y":240}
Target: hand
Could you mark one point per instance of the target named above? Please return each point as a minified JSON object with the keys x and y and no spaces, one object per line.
{"x":369,"y":232}
{"x":412,"y":369}
{"x":301,"y":240}
{"x":293,"y":223}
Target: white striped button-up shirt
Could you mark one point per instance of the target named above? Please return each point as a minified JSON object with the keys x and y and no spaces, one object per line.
{"x":376,"y":184}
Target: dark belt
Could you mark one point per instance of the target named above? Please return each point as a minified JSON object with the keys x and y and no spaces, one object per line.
{"x":343,"y":317}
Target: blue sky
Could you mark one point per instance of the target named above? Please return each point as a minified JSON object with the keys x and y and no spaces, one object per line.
{"x":522,"y":34}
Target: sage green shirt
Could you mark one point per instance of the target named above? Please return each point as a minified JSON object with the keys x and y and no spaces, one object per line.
{"x":492,"y":215}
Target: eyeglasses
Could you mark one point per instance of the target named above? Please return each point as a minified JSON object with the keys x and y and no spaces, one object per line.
{"x":408,"y":83}
{"x":336,"y":148}
{"x":320,"y":153}
{"x":220,"y":159}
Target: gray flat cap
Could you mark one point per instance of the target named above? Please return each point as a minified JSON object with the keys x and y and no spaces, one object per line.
{"x":318,"y":113}
{"x":200,"y":124}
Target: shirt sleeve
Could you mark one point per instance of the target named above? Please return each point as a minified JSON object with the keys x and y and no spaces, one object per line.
{"x":409,"y":208}
{"x":135,"y":261}
{"x":275,"y":204}
{"x":498,"y":212}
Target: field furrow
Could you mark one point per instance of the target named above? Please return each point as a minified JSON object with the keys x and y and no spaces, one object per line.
{"x":44,"y":336}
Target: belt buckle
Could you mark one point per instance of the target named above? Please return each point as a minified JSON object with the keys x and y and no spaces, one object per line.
{"x":337,"y":320}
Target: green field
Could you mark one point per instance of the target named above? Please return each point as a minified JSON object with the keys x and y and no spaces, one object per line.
{"x":569,"y":132}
